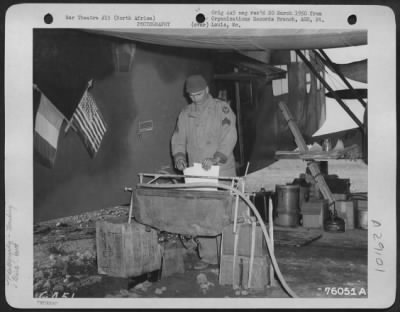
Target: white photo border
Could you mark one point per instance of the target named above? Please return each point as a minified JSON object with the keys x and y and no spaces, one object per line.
{"x":21,"y":19}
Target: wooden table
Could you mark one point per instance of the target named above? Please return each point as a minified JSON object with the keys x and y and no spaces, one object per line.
{"x":351,"y":152}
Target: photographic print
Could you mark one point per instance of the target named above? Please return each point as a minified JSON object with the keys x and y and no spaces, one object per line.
{"x":222,"y":155}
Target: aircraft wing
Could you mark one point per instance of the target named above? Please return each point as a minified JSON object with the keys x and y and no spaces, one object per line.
{"x":243,"y":39}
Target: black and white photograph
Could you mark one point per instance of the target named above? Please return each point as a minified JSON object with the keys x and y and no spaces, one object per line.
{"x":228,"y":157}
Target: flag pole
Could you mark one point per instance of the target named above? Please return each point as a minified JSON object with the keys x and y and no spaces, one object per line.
{"x":69,"y":125}
{"x":69,"y":122}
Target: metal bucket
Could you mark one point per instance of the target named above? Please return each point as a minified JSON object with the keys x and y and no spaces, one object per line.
{"x":287,"y":203}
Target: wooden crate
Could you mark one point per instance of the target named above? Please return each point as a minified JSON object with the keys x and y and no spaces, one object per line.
{"x":314,"y":213}
{"x":244,"y":231}
{"x":312,"y":221}
{"x":243,"y":210}
{"x":126,"y":250}
{"x":238,"y":275}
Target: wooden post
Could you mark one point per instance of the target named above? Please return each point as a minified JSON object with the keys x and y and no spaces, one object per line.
{"x":239,"y":120}
{"x":251,"y":92}
{"x":130,"y":208}
{"x":312,"y":165}
{"x":301,"y":144}
{"x":271,"y":237}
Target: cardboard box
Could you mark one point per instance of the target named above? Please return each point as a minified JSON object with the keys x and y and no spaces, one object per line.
{"x":236,"y":272}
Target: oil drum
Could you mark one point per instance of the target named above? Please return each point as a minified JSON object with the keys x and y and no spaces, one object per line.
{"x":287,"y":203}
{"x":362,"y":214}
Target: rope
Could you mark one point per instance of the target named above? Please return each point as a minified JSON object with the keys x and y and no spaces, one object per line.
{"x":256,"y":213}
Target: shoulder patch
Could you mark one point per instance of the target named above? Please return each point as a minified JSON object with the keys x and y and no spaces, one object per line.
{"x":225,"y":109}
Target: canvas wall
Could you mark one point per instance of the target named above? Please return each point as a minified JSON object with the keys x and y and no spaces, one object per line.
{"x":151,"y":90}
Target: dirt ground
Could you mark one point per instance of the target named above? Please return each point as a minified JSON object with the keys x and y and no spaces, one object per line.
{"x":65,"y":265}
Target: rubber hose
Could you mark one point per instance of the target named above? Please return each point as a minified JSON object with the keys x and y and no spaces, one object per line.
{"x":256,"y":213}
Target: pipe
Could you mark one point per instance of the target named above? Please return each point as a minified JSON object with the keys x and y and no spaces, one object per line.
{"x":129,"y":189}
{"x":256,"y":213}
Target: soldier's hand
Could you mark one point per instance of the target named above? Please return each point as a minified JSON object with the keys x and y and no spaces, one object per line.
{"x":208,"y":162}
{"x":180,"y":164}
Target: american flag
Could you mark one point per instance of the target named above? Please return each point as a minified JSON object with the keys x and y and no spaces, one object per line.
{"x":89,"y":123}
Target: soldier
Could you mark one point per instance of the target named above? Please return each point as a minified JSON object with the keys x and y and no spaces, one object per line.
{"x":205,"y":133}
